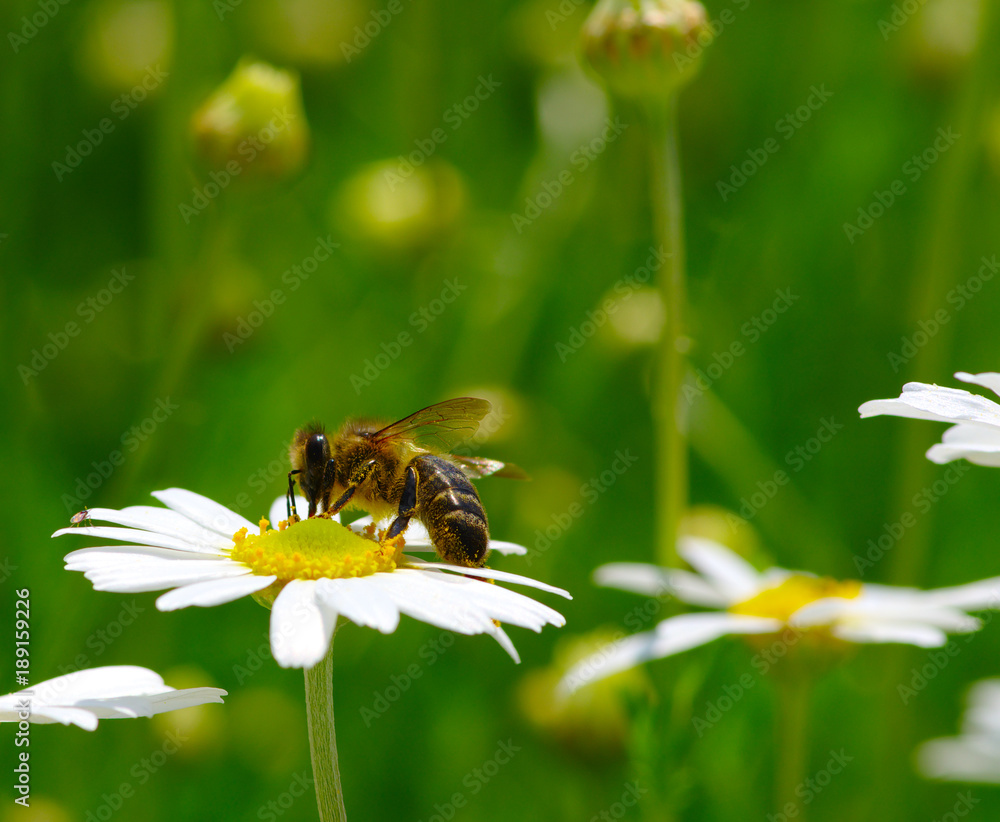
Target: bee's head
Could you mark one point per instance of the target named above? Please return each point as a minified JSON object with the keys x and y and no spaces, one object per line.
{"x":310,"y":453}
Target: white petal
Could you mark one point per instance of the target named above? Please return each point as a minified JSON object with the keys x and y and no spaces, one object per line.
{"x":987,"y":379}
{"x":418,"y":596}
{"x":156,"y":575}
{"x":507,"y":548}
{"x":362,"y":603}
{"x":300,"y":629}
{"x":669,"y":637}
{"x":161,"y":521}
{"x":974,"y":596}
{"x":279,"y":509}
{"x":651,"y":580}
{"x":732,"y":576}
{"x":205,"y":512}
{"x":48,"y":714}
{"x":213,"y":592}
{"x":501,"y":603}
{"x":141,"y":537}
{"x":490,"y":573}
{"x":975,"y":443}
{"x":909,"y":633}
{"x":83,"y":559}
{"x":933,"y":402}
{"x":959,"y":759}
{"x":500,"y":635}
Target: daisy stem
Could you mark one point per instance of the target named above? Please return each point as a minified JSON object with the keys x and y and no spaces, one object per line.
{"x":792,"y":723}
{"x":323,"y":740}
{"x":668,"y":223}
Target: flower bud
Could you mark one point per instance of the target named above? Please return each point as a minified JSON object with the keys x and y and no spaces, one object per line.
{"x":255,"y":119}
{"x":127,"y":47}
{"x":397,"y":205}
{"x":645,"y":49}
{"x":593,"y":722}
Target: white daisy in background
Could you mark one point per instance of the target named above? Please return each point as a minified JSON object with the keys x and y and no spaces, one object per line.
{"x":311,"y":573}
{"x":974,"y":755}
{"x":746,"y":601}
{"x":976,"y":434}
{"x":112,"y":692}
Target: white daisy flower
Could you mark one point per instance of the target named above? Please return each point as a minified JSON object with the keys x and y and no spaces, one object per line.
{"x":311,"y":573}
{"x":974,"y":755}
{"x":976,"y":434}
{"x":776,"y":601}
{"x":112,"y":692}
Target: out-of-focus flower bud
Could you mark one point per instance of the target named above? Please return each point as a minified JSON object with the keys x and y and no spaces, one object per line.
{"x":723,"y":526}
{"x":200,"y":726}
{"x":127,"y":46}
{"x":254,"y":123}
{"x":315,"y":32}
{"x":396,"y":206}
{"x":645,"y":49}
{"x":41,"y":809}
{"x":259,"y":722}
{"x":593,"y":721}
{"x":940,"y":38}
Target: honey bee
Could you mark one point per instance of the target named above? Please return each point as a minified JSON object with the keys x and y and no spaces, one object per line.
{"x":404,"y":469}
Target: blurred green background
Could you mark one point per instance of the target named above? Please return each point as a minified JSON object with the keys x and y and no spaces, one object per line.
{"x":173,"y":335}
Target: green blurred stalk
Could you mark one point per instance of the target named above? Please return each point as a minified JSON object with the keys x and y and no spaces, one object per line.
{"x":668,"y":227}
{"x":792,"y":740}
{"x":323,"y":739}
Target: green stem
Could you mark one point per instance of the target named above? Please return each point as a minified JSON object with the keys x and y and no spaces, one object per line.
{"x":668,"y":223}
{"x":323,"y":740}
{"x":792,"y":723}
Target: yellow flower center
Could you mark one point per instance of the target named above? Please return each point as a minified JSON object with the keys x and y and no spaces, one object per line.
{"x":795,"y":592}
{"x":316,"y":548}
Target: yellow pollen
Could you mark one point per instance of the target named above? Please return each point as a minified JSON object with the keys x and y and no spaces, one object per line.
{"x":795,"y":592}
{"x":317,"y":548}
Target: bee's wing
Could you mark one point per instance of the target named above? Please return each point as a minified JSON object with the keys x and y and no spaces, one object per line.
{"x":438,"y":428}
{"x":479,"y":467}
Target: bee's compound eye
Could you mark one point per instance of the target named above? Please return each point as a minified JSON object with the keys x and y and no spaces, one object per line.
{"x":317,"y":450}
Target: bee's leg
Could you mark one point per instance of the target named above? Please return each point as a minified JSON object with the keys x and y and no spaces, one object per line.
{"x":356,"y":481}
{"x":407,"y":505}
{"x":290,"y":497}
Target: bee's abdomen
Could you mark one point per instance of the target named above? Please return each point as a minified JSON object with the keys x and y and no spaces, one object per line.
{"x":447,"y":503}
